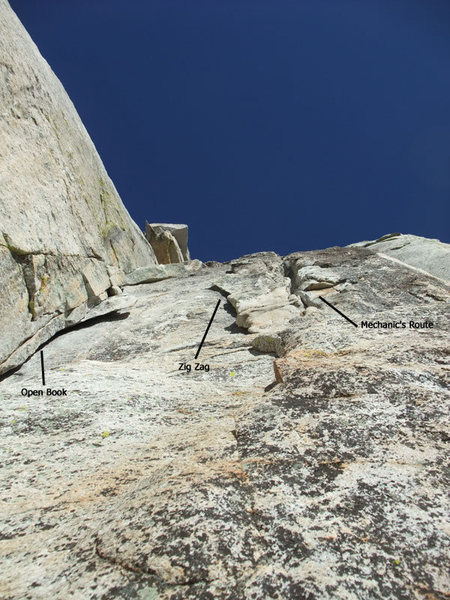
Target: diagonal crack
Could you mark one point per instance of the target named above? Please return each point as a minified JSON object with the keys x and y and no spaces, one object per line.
{"x":148,"y":573}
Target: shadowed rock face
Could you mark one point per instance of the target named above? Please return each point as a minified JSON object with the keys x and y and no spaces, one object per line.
{"x":148,"y":481}
{"x":65,"y":236}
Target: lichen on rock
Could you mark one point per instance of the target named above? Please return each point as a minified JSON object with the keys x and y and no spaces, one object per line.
{"x":307,"y":462}
{"x":58,"y":206}
{"x":291,"y":454}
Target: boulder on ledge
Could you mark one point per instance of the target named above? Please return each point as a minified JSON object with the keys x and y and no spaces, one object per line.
{"x":169,"y":242}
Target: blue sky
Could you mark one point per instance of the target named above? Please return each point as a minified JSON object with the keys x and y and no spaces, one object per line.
{"x":264,"y":124}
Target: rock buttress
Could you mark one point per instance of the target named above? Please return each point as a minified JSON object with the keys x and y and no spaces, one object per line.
{"x":65,"y":236}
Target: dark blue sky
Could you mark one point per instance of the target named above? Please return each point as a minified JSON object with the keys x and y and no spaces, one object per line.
{"x":264,"y":124}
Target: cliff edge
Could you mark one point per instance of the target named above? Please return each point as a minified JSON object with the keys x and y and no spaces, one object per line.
{"x":65,"y":236}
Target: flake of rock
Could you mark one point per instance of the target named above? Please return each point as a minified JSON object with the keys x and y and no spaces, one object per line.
{"x":260,"y":293}
{"x":154,"y":273}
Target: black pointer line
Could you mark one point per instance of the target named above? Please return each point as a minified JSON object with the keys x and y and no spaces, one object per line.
{"x":338,"y":311}
{"x":42,"y":367}
{"x":207,"y":329}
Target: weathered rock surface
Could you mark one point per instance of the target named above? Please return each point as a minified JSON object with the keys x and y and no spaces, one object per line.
{"x":169,"y":242}
{"x":259,"y":291}
{"x":159,"y":272}
{"x":431,"y":256}
{"x":151,"y":482}
{"x":65,"y":236}
{"x":300,"y":458}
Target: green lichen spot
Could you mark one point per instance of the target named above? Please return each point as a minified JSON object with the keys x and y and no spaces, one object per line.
{"x":14,"y":249}
{"x":107,"y":229}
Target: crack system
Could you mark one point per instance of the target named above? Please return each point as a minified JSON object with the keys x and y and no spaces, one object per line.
{"x":148,"y":573}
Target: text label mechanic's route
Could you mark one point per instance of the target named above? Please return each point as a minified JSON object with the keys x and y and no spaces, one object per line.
{"x":384,"y":324}
{"x":187,"y":367}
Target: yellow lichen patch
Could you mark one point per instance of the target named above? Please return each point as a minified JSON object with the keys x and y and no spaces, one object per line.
{"x":44,"y":282}
{"x":310,"y":353}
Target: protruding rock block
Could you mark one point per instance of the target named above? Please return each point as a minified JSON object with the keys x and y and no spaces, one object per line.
{"x":155,"y":273}
{"x":169,"y":242}
{"x":261,"y":298}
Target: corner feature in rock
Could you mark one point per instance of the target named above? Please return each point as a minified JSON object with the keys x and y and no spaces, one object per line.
{"x":147,"y":480}
{"x":259,"y":291}
{"x":65,"y":236}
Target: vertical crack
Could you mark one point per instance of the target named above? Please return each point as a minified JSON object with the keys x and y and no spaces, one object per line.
{"x":288,"y":268}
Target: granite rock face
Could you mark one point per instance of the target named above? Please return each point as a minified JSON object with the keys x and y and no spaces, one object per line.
{"x":304,"y":457}
{"x":431,"y":256}
{"x":65,"y":236}
{"x":301,"y":456}
{"x":259,"y":291}
{"x":169,"y":242}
